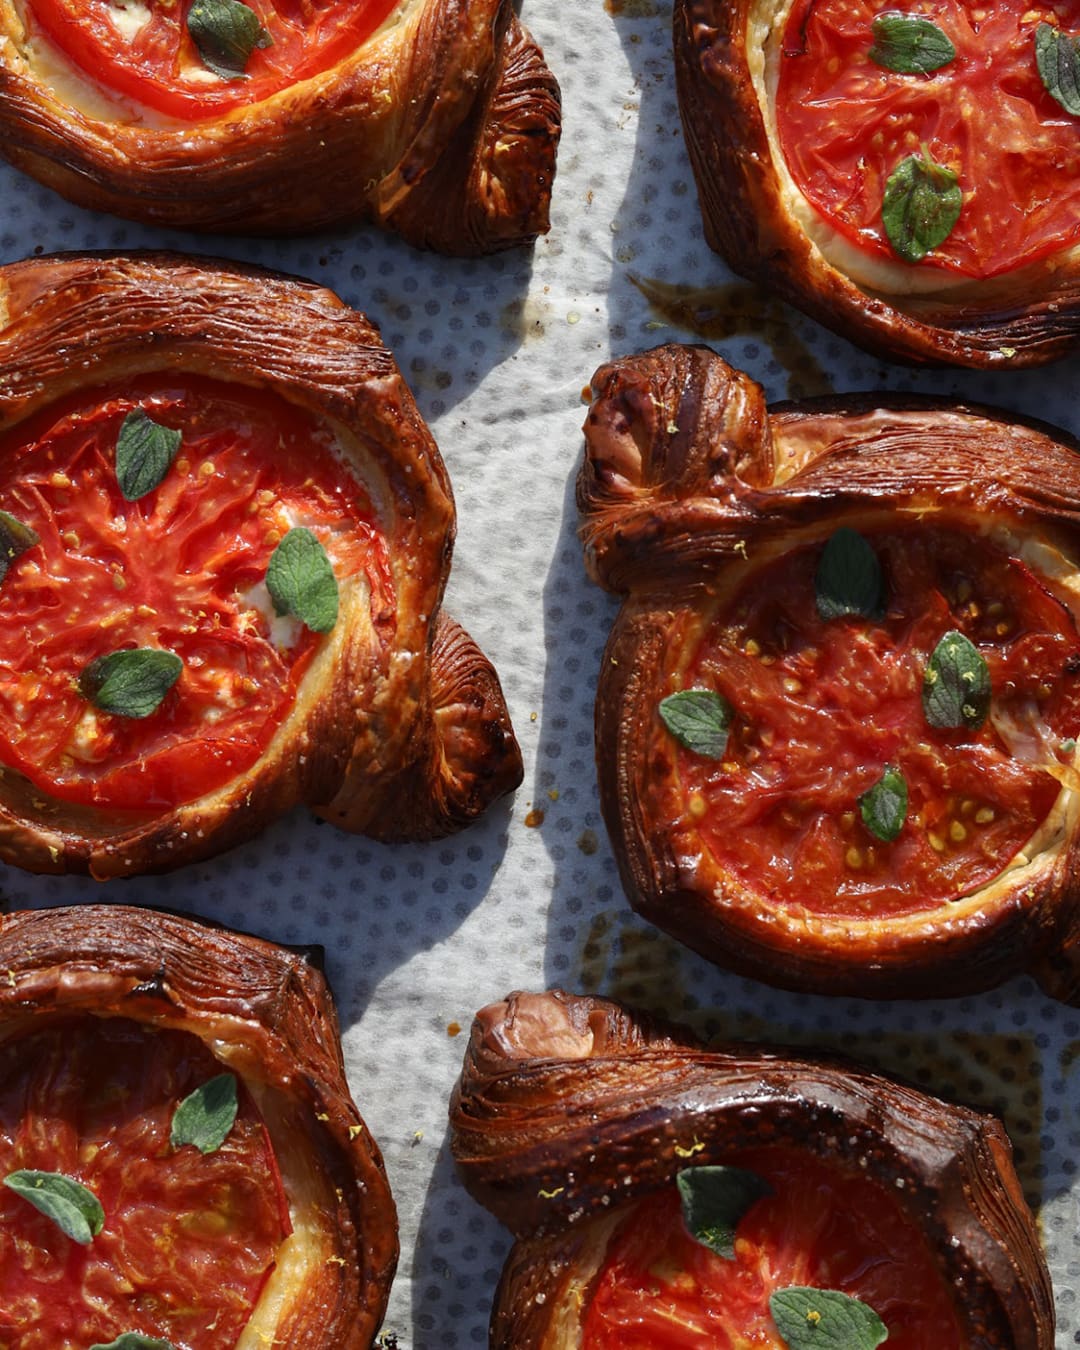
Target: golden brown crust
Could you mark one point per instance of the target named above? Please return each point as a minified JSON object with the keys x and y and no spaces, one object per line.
{"x":1022,"y":319}
{"x":689,"y":483}
{"x":443,"y":126}
{"x":373,"y":725}
{"x":270,"y":1016}
{"x":565,"y":1102}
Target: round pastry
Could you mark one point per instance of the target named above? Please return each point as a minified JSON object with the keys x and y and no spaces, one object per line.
{"x":906,"y":175}
{"x":181,"y":1162}
{"x":226,"y":532}
{"x":837,"y":718}
{"x":434,"y":118}
{"x":665,"y":1195}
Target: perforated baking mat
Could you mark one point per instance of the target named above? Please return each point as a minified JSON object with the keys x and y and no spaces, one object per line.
{"x":497,"y":352}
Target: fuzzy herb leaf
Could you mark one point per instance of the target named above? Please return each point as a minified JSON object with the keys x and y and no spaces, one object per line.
{"x":909,"y":44}
{"x":205,"y":1117}
{"x":884,"y":806}
{"x":75,"y":1210}
{"x":302,"y":582}
{"x":132,"y":682}
{"x":825,"y":1319}
{"x":15,"y":539}
{"x":699,"y":719}
{"x":1057,"y":56}
{"x":226,"y":32}
{"x":956,"y":686}
{"x":135,"y":1340}
{"x":848,"y":578}
{"x":921,"y":205}
{"x":714,"y":1199}
{"x":144,"y":451}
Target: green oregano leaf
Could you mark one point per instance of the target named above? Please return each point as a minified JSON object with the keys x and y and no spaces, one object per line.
{"x":226,"y":32}
{"x":15,"y":539}
{"x":884,"y":806}
{"x":921,"y":205}
{"x":825,"y":1319}
{"x":699,"y":719}
{"x":909,"y":44}
{"x":132,"y":682}
{"x":1057,"y":56}
{"x":205,"y":1117}
{"x":135,"y":1340}
{"x":956,"y":686}
{"x":144,"y":451}
{"x":75,"y":1210}
{"x":714,"y":1199}
{"x":302,"y":582}
{"x":848,"y":578}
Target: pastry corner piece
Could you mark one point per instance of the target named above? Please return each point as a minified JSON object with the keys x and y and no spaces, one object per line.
{"x":655,"y":1188}
{"x":226,"y":534}
{"x":437,"y":119}
{"x":181,"y":1162}
{"x":905,"y":178}
{"x":838,"y":714}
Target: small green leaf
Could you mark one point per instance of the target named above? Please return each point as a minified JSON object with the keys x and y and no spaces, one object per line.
{"x":714,"y":1199}
{"x":848,"y":578}
{"x":132,"y":682}
{"x":698,"y":719}
{"x":956,"y":686}
{"x":226,"y":32}
{"x":302,"y":582}
{"x":884,"y":806}
{"x":921,"y":205}
{"x":75,"y":1210}
{"x":15,"y":539}
{"x":144,"y":451}
{"x":205,"y":1117}
{"x":1057,"y":56}
{"x":825,"y":1319}
{"x":909,"y":44}
{"x":135,"y":1340}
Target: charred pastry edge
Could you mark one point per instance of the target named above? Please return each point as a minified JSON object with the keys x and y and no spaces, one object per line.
{"x":566,"y":1101}
{"x":1025,"y":318}
{"x":442,"y":126}
{"x":275,"y":1012}
{"x":686,"y":472}
{"x":379,"y":720}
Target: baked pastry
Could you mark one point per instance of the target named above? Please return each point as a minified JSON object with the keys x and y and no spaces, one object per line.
{"x":906,"y":178}
{"x":837,"y":717}
{"x":434,"y":118}
{"x":186,"y":1083}
{"x":227,"y":532}
{"x":581,"y":1125}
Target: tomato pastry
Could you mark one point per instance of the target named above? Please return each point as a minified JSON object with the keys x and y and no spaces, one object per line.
{"x":437,"y":119}
{"x":181,"y":1164}
{"x":225,"y":534}
{"x":908,"y":175}
{"x":666,"y":1195}
{"x":837,"y":719}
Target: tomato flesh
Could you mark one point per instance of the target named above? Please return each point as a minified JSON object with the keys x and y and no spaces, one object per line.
{"x":182,"y":569}
{"x":188,"y":1240}
{"x":845,"y":123}
{"x":659,"y":1289}
{"x":821,"y":709}
{"x":156,"y":63}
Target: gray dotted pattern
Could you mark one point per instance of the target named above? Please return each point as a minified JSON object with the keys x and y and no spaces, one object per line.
{"x":497,"y":352}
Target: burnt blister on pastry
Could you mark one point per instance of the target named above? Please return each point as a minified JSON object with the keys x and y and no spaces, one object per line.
{"x":437,"y":119}
{"x":837,"y":716}
{"x":685,"y":1195}
{"x":905,"y":178}
{"x":181,"y":1162}
{"x":226,"y":533}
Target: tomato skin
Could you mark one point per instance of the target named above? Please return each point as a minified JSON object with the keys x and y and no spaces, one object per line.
{"x":822,"y":1226}
{"x":845,"y":123}
{"x":176,"y":570}
{"x":822,"y":709}
{"x":160,"y":66}
{"x":94,"y":1099}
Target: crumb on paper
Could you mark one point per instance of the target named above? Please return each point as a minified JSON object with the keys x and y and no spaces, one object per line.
{"x":553,"y":794}
{"x":588,"y":842}
{"x":534,"y":818}
{"x":417,"y":1138}
{"x":453,"y":1029}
